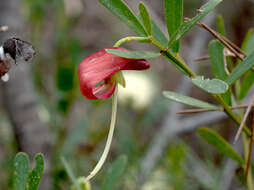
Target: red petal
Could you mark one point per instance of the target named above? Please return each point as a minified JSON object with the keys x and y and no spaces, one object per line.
{"x":100,"y":66}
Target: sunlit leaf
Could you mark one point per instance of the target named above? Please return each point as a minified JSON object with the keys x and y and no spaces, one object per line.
{"x":220,"y":144}
{"x":189,"y":100}
{"x":214,"y":86}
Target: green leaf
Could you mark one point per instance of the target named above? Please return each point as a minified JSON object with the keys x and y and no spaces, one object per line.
{"x":145,"y":18}
{"x":122,"y":11}
{"x":35,"y":175}
{"x":114,"y":173}
{"x":189,"y":100}
{"x":159,"y":35}
{"x":214,"y":86}
{"x":220,"y":25}
{"x":241,"y":68}
{"x":248,"y":80}
{"x":215,"y":49}
{"x":21,"y":169}
{"x":134,"y":54}
{"x":246,"y":84}
{"x":173,"y":16}
{"x":220,"y":144}
{"x":247,"y":45}
{"x":70,"y":173}
{"x":186,"y":26}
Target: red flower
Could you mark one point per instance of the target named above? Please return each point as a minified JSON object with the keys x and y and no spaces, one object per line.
{"x":100,"y":66}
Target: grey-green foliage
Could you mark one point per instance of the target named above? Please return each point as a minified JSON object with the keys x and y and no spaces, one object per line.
{"x":114,"y":173}
{"x":21,"y":169}
{"x":23,"y":179}
{"x":35,"y":175}
{"x":213,"y":86}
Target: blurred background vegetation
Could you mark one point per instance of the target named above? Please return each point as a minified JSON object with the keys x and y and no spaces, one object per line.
{"x":63,"y":32}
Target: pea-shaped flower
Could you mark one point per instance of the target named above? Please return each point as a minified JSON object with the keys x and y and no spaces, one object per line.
{"x":96,"y":70}
{"x":98,"y":75}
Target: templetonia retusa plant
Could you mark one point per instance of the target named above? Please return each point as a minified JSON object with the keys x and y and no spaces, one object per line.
{"x":100,"y":73}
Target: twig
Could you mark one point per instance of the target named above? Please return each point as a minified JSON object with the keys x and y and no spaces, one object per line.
{"x":207,"y":57}
{"x":250,"y":146}
{"x":230,"y":45}
{"x":244,"y":118}
{"x":190,"y":111}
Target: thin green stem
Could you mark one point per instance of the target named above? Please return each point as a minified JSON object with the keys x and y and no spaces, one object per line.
{"x":231,"y":114}
{"x":109,"y":139}
{"x":176,"y":60}
{"x":131,"y":38}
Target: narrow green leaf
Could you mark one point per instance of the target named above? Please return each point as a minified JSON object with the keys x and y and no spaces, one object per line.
{"x":241,"y":68}
{"x":220,"y":144}
{"x":189,"y":100}
{"x":220,"y":25}
{"x":217,"y":58}
{"x":248,"y":80}
{"x":123,"y":12}
{"x":246,"y":84}
{"x":186,"y":26}
{"x":215,"y":49}
{"x":145,"y":18}
{"x":173,"y":16}
{"x":214,"y":86}
{"x":134,"y":54}
{"x":70,"y":173}
{"x":21,"y":169}
{"x":114,"y":173}
{"x":159,"y":35}
{"x":35,"y":175}
{"x":247,"y":45}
